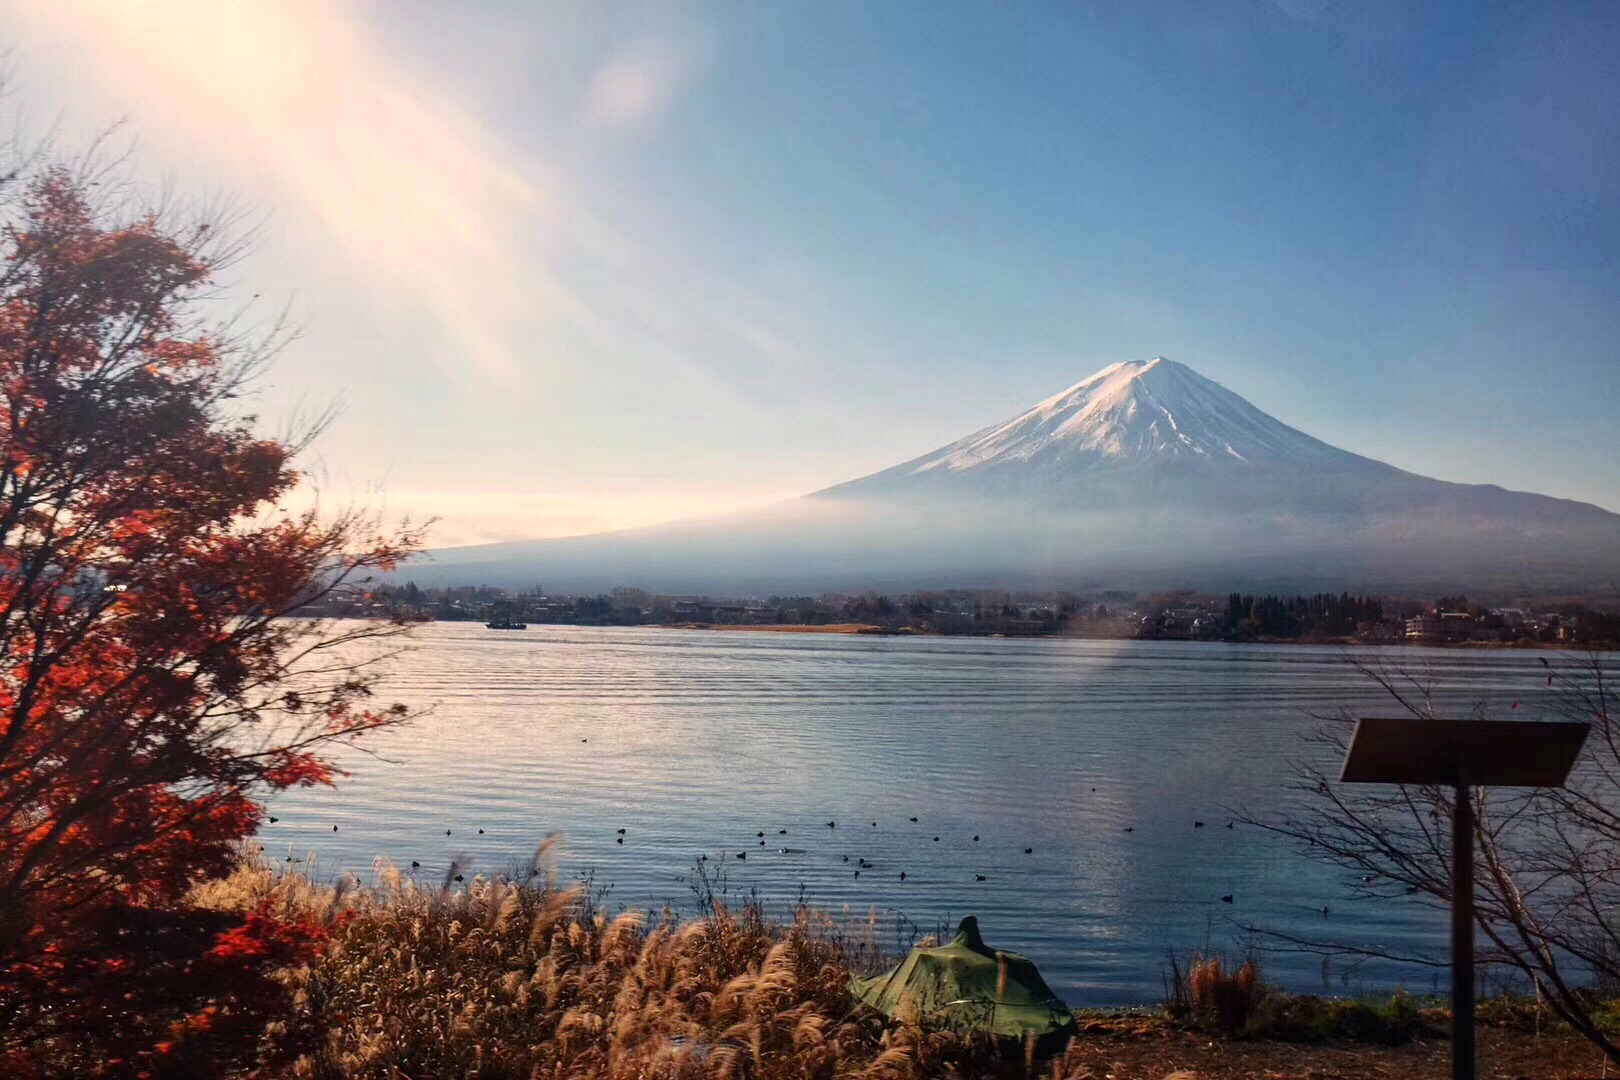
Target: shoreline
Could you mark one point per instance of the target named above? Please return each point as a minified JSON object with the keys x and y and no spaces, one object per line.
{"x":872,"y":630}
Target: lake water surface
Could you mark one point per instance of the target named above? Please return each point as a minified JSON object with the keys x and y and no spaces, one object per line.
{"x":695,"y":741}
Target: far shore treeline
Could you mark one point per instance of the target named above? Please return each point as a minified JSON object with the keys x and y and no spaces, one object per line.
{"x":1574,"y":621}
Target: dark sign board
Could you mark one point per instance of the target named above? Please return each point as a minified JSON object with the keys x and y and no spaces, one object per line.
{"x":1490,"y":753}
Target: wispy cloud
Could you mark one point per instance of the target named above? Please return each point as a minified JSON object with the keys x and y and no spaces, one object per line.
{"x":484,"y":517}
{"x":482,"y":241}
{"x":299,"y":97}
{"x":635,"y":84}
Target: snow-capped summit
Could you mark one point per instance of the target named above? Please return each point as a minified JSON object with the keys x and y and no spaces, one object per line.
{"x":1133,"y":410}
{"x":1129,"y":417}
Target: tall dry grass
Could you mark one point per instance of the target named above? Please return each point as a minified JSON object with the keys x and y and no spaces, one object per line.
{"x":520,"y":977}
{"x":1213,"y":996}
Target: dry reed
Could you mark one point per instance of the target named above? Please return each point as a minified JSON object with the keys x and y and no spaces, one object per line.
{"x":524,"y":978}
{"x":517,"y":976}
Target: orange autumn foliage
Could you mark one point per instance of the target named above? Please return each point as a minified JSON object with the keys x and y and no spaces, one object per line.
{"x":152,"y":686}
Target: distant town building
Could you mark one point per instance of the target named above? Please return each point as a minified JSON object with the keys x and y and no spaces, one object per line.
{"x":1440,"y":627}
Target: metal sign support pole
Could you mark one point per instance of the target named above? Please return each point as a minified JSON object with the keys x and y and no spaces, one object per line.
{"x":1462,"y":932}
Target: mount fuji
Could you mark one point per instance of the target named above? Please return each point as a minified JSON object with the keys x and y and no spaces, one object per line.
{"x":1146,"y":474}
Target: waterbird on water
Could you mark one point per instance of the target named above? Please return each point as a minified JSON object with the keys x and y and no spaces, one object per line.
{"x":978,"y":877}
{"x":975,"y":838}
{"x":832,"y":824}
{"x":936,"y":839}
{"x":914,"y":821}
{"x":781,"y":832}
{"x":742,"y":854}
{"x":619,"y":840}
{"x":274,"y":820}
{"x":334,"y":828}
{"x":480,"y":832}
{"x":1029,"y":851}
{"x":1227,"y":899}
{"x":1198,"y":824}
{"x":760,"y":833}
{"x":447,"y":832}
{"x":459,"y":877}
{"x":621,"y":832}
{"x":415,"y":865}
{"x":902,"y":875}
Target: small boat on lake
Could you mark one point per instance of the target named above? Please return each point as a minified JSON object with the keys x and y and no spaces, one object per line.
{"x":505,"y":624}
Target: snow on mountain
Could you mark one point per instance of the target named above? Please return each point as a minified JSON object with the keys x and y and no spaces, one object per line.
{"x":1128,"y":415}
{"x":1135,"y":410}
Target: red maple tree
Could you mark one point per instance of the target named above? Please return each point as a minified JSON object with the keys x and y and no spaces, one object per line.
{"x":152,"y":686}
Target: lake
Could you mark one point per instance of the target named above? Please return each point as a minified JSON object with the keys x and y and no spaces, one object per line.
{"x":694,"y":742}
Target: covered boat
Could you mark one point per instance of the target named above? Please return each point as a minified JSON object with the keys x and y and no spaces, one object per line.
{"x":965,"y":985}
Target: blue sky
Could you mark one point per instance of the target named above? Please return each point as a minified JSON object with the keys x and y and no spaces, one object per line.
{"x":581,"y":266}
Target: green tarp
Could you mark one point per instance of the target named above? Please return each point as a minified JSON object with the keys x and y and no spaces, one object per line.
{"x":966,"y":985}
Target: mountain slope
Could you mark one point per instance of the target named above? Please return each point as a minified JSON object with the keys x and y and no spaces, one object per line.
{"x":1145,"y":474}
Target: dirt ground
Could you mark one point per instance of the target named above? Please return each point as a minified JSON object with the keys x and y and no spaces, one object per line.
{"x":1106,"y":1053}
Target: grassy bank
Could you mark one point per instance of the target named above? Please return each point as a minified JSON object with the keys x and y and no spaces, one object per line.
{"x":522,"y":977}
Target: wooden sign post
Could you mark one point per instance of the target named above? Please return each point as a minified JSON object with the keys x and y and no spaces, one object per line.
{"x":1462,"y":754}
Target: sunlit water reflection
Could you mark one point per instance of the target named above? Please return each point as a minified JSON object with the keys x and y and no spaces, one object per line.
{"x":695,"y":741}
